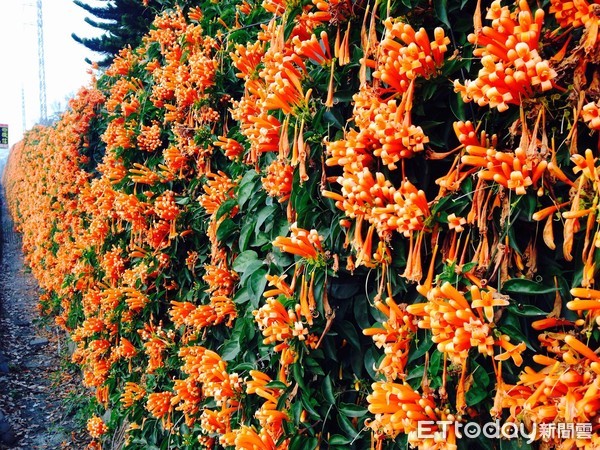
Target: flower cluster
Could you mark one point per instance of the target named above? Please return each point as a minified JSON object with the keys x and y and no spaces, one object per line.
{"x":512,"y":68}
{"x":260,"y":231}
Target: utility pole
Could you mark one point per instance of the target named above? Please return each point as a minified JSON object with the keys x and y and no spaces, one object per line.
{"x":41,"y":63}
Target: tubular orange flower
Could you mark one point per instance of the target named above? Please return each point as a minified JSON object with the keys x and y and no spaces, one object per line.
{"x":218,"y":189}
{"x":512,"y":351}
{"x":395,"y":337}
{"x":581,"y":348}
{"x":154,"y":348}
{"x":132,"y":392}
{"x":487,"y":301}
{"x":304,"y":243}
{"x":454,"y":326}
{"x":231,"y":147}
{"x":149,"y":138}
{"x":187,"y":398}
{"x":512,"y":67}
{"x":278,"y":182}
{"x":513,"y":170}
{"x":159,"y":405}
{"x":591,"y":115}
{"x":318,"y":50}
{"x":398,"y":64}
{"x":398,"y":409}
{"x":96,"y":427}
{"x":142,"y":174}
{"x":280,"y":286}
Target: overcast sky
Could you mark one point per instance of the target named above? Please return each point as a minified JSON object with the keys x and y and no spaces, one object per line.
{"x":66,"y":69}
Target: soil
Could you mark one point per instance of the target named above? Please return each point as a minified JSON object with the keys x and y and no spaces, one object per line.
{"x":36,"y":382}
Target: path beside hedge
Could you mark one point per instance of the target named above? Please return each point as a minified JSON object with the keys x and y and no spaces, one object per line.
{"x":32,"y":413}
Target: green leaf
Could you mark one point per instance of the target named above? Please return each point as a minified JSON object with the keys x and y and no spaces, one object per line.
{"x":264,"y":214}
{"x":514,"y":444}
{"x":243,"y":367}
{"x":415,"y":376}
{"x":247,"y":187}
{"x":526,"y":310}
{"x":230,"y":350}
{"x":346,"y":426}
{"x":244,"y":260}
{"x":247,"y":232}
{"x":334,"y":117}
{"x":457,"y":107}
{"x":307,"y":402}
{"x":475,"y":395}
{"x":256,"y":285}
{"x":422,"y":346}
{"x":441,"y":11}
{"x":226,"y":229}
{"x":352,"y":410}
{"x":327,"y":389}
{"x":338,"y":439}
{"x":226,"y":207}
{"x":276,"y":384}
{"x":302,"y":442}
{"x":348,"y":331}
{"x":526,"y":287}
{"x":370,"y":362}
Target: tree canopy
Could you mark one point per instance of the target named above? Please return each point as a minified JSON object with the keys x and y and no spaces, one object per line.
{"x":124,"y":22}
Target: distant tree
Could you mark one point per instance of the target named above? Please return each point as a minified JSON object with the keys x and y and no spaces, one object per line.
{"x":123,"y":21}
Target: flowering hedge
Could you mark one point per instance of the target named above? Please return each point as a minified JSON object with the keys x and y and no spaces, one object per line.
{"x":317,"y":224}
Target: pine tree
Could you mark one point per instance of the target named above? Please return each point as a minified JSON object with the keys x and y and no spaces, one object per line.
{"x":123,"y":21}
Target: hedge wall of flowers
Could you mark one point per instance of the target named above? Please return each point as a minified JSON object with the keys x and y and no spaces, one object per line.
{"x":314,"y":224}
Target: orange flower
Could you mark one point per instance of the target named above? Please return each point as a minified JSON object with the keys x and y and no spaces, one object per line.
{"x":154,"y":349}
{"x":304,"y":243}
{"x":399,"y":409}
{"x":96,"y":427}
{"x":278,"y":182}
{"x":142,"y":174}
{"x":453,"y":323}
{"x":280,"y":286}
{"x":187,"y":398}
{"x":318,"y":50}
{"x":149,"y":138}
{"x":231,"y":147}
{"x":395,"y":337}
{"x":220,"y":280}
{"x":397,"y":64}
{"x":513,"y":170}
{"x":159,"y":405}
{"x":275,"y":322}
{"x":487,"y":300}
{"x":218,"y":188}
{"x":456,"y":223}
{"x":126,"y":349}
{"x":247,"y":59}
{"x":512,"y":351}
{"x":512,"y":68}
{"x":591,"y":115}
{"x":132,"y":392}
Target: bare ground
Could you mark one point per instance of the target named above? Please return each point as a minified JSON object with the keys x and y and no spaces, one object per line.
{"x":34,"y":378}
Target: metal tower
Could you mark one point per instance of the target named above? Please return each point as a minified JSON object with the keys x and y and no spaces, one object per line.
{"x":41,"y":63}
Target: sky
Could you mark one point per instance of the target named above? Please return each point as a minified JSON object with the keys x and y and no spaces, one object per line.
{"x":66,"y":69}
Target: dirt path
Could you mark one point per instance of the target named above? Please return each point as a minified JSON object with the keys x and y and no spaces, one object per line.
{"x":33,"y":414}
